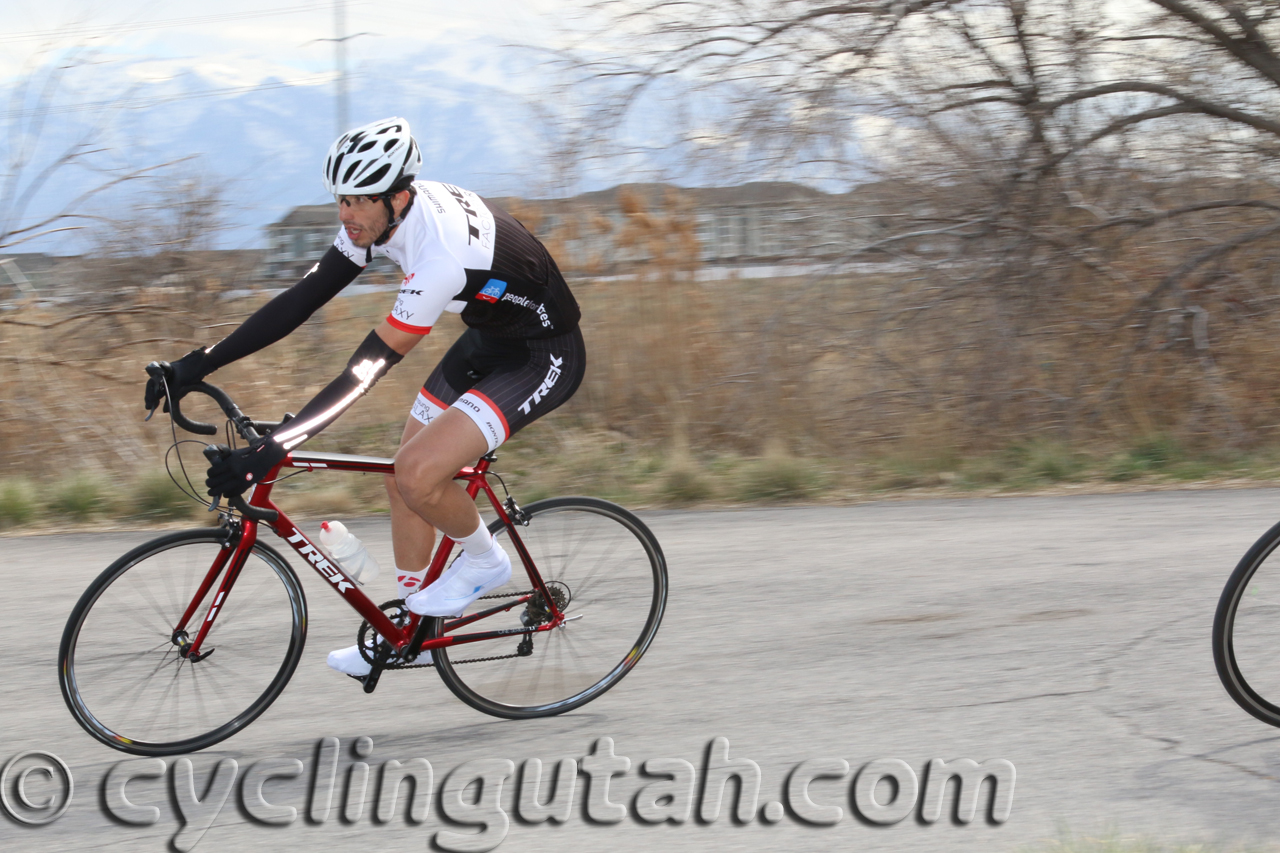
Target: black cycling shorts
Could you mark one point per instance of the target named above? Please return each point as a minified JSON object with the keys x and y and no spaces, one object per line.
{"x":503,"y":384}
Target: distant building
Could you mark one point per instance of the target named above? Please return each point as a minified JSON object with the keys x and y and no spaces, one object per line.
{"x":761,"y":223}
{"x":297,"y":241}
{"x":756,"y":224}
{"x":27,"y":273}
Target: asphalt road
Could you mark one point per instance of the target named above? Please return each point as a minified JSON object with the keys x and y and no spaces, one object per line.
{"x":1068,"y":636}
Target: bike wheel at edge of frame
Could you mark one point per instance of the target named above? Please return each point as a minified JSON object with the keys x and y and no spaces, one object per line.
{"x":1246,"y":630}
{"x":611,"y":568}
{"x":121,"y":675}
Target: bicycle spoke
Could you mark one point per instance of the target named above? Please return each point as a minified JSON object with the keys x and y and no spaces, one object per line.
{"x":595,"y":558}
{"x":125,"y":681}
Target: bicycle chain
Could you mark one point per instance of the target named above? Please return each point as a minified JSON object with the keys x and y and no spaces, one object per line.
{"x":468,"y":660}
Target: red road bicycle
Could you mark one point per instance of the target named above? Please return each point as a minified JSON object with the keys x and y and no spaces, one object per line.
{"x":188,"y":638}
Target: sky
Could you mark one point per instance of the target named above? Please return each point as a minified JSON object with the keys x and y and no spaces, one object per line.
{"x":242,"y":42}
{"x":135,"y":54}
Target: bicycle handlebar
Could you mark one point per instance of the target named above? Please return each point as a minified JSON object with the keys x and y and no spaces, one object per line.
{"x":199,"y":427}
{"x":247,"y":427}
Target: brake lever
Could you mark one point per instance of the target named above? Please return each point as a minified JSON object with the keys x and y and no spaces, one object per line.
{"x":213,"y":453}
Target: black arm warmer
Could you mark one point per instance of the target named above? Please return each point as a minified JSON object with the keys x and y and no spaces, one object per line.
{"x":371,"y":360}
{"x":286,"y":312}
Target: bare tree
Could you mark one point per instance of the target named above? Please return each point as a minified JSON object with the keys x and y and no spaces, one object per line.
{"x":1083,"y":193}
{"x":34,"y":158}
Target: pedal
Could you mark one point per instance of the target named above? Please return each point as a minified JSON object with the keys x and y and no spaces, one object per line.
{"x":370,"y":681}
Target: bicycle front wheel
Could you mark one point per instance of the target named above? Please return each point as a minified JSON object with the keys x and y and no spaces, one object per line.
{"x":119,"y":664}
{"x":607,"y":573}
{"x":1246,"y":630}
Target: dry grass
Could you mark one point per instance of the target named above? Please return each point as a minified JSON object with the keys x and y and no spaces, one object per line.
{"x":823,"y":387}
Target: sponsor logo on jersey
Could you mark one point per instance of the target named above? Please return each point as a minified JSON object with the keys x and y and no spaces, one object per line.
{"x":553,"y":376}
{"x":537,"y":307}
{"x":473,"y":218}
{"x":343,"y":244}
{"x":492,"y":291}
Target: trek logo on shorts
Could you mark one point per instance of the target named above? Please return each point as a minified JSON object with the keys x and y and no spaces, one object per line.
{"x":553,"y":374}
{"x":492,"y":291}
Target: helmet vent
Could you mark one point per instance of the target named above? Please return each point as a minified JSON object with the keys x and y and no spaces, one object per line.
{"x":375,"y":177}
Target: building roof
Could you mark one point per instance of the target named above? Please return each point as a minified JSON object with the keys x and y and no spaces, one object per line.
{"x":756,"y":192}
{"x":309,"y":215}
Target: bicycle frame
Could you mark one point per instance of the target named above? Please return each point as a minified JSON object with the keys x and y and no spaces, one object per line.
{"x":235,"y":551}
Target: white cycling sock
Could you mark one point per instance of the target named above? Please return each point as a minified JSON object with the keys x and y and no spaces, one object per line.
{"x":409,"y":582}
{"x":479,"y":544}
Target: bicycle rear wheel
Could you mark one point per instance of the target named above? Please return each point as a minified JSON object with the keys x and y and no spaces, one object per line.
{"x":119,"y":666}
{"x":1246,"y":630}
{"x":606,"y":570}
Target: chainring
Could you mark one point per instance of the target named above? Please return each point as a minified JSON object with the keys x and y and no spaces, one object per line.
{"x":398,"y":614}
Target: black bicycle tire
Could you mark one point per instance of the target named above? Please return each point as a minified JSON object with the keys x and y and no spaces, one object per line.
{"x":1224,"y":622}
{"x":75,"y":622}
{"x":653,"y":621}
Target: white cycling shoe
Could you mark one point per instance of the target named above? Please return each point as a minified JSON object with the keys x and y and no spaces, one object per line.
{"x":350,"y":661}
{"x":460,"y":585}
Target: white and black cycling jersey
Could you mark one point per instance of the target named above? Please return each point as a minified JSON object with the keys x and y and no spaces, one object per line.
{"x":463,"y":255}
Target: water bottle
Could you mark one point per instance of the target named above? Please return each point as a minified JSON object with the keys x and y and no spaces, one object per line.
{"x":349,"y":551}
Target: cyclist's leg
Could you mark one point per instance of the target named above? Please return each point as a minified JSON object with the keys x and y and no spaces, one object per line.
{"x":425,"y":465}
{"x":413,"y":538}
{"x":501,"y":391}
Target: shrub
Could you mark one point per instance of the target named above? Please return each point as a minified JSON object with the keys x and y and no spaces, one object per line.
{"x":1149,"y":454}
{"x":155,"y":496}
{"x":685,"y":484}
{"x":17,"y":502}
{"x":780,"y":478}
{"x":1054,"y":463}
{"x":77,"y":498}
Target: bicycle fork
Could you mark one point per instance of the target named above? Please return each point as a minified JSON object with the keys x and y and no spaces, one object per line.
{"x":235,"y":550}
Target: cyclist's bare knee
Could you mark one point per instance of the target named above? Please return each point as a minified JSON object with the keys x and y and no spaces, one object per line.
{"x":428,"y":459}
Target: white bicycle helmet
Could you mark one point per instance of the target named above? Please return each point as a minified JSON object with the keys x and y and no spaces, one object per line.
{"x":374,"y":159}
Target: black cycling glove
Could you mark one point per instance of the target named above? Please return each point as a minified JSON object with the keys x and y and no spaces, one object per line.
{"x":235,"y":471}
{"x":182,"y":374}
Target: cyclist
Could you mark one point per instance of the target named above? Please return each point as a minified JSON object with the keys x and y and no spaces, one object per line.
{"x":520,"y":357}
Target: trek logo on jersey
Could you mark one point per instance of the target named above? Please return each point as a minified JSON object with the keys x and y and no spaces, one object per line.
{"x":405,"y":289}
{"x":318,"y":560}
{"x":492,"y":291}
{"x":472,"y":217}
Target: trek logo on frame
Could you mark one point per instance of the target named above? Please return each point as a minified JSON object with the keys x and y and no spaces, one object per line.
{"x":318,"y":560}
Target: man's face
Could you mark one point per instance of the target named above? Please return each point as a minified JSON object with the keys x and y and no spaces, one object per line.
{"x":364,"y":218}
